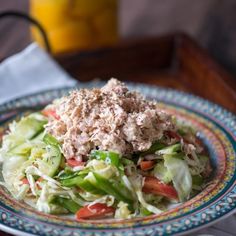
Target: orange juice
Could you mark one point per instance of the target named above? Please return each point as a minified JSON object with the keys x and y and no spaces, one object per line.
{"x":76,"y":24}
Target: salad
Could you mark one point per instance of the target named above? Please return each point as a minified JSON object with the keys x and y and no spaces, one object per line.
{"x":103,"y":153}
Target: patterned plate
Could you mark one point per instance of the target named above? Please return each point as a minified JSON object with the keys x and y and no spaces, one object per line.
{"x":217,"y":129}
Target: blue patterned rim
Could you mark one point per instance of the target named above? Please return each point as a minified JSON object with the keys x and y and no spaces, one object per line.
{"x":201,"y":211}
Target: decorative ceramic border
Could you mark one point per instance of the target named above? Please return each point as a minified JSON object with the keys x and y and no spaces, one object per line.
{"x":219,"y":130}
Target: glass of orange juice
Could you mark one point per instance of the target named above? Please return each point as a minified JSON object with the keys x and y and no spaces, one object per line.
{"x":76,"y":24}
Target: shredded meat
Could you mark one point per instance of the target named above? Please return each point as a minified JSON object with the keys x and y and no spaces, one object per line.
{"x":110,"y":118}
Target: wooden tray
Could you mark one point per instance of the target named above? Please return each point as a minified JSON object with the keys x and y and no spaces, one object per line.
{"x":174,"y":61}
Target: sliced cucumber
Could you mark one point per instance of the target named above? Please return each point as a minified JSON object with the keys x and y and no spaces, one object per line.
{"x":50,"y":162}
{"x":46,"y":157}
{"x":49,"y":139}
{"x":170,"y":149}
{"x":25,"y":129}
{"x":68,"y":204}
{"x":29,"y":126}
{"x":39,"y":137}
{"x":22,"y":149}
{"x":25,"y":148}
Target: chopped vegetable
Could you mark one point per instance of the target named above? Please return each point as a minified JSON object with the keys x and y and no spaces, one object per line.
{"x":147,"y":165}
{"x":96,"y":210}
{"x":155,"y":186}
{"x":114,"y":188}
{"x":67,"y":174}
{"x":82,"y":183}
{"x":66,"y":203}
{"x":19,"y":132}
{"x":50,"y":113}
{"x":109,"y":157}
{"x":122,"y":211}
{"x":155,"y":146}
{"x":169,"y":150}
{"x":180,"y":176}
{"x":137,"y":181}
{"x":49,"y":139}
{"x":49,"y":161}
{"x":74,"y":163}
{"x":161,"y":172}
{"x":145,"y":212}
{"x":25,"y":181}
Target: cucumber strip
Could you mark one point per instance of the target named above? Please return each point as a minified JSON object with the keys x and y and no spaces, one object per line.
{"x":112,"y":158}
{"x":29,"y":126}
{"x":49,"y":139}
{"x":170,"y":149}
{"x":25,"y":148}
{"x":68,"y":204}
{"x":115,"y":189}
{"x":53,"y":159}
{"x":84,"y":184}
{"x":26,"y":129}
{"x":155,"y":147}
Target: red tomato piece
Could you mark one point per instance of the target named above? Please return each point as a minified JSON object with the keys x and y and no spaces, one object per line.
{"x":155,"y":186}
{"x":50,"y":113}
{"x":147,"y":165}
{"x":25,"y":181}
{"x":73,"y":162}
{"x":96,"y":210}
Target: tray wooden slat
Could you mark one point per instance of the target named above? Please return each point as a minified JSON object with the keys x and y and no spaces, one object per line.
{"x":203,"y":76}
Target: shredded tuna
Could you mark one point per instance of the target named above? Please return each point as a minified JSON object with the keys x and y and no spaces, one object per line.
{"x":111,"y":118}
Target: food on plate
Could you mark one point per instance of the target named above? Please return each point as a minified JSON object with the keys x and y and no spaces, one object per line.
{"x":104,"y":152}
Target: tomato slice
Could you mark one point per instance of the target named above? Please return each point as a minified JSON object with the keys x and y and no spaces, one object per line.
{"x":25,"y":181}
{"x":147,"y":165}
{"x":50,"y":113}
{"x":96,"y":210}
{"x":73,"y":163}
{"x":155,"y":186}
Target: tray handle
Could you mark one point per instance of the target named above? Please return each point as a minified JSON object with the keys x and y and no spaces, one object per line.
{"x":30,"y":19}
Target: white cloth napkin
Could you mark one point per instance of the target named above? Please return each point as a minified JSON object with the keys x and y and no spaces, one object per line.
{"x":30,"y":71}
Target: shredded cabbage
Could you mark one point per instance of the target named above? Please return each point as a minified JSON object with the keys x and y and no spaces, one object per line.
{"x":161,"y":172}
{"x":136,"y":181}
{"x":102,"y":168}
{"x":180,"y":176}
{"x":43,"y":203}
{"x":12,"y":173}
{"x":89,"y":197}
{"x":122,"y":211}
{"x":107,"y":199}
